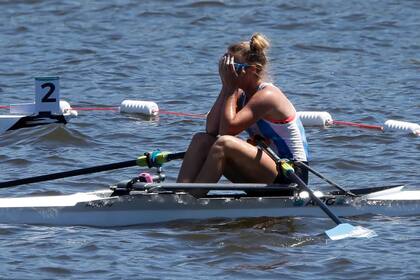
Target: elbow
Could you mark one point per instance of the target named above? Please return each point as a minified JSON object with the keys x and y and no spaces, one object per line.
{"x":229,"y":130}
{"x":211,"y":128}
{"x":212,"y":132}
{"x":226,"y":132}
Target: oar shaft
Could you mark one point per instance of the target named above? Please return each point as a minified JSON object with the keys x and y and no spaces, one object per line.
{"x":71,"y":173}
{"x":174,"y":156}
{"x":292,"y":175}
{"x":160,"y":158}
{"x":324,"y":178}
{"x":318,"y":201}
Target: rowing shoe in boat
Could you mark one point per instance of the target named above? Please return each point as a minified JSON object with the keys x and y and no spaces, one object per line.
{"x":137,"y":203}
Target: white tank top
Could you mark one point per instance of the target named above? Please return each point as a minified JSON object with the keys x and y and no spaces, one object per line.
{"x":287,"y":137}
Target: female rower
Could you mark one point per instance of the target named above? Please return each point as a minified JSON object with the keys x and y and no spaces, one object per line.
{"x":246,"y":102}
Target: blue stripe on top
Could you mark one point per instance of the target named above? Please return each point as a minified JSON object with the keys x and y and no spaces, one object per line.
{"x":268,"y":132}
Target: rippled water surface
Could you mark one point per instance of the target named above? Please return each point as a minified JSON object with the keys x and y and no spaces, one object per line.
{"x":358,"y":60}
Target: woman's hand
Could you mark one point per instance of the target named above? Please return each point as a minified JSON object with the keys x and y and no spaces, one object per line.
{"x":228,"y":74}
{"x":221,"y":63}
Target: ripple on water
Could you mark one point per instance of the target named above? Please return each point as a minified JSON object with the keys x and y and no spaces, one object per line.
{"x":205,"y":4}
{"x":57,"y":271}
{"x":48,"y":135}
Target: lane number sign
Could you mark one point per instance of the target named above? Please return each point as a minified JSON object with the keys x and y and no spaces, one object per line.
{"x":47,"y":95}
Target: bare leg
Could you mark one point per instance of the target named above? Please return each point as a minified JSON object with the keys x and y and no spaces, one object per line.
{"x":239,"y":161}
{"x":195,"y":156}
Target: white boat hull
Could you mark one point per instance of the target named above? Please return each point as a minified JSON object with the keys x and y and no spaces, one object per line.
{"x":102,"y":210}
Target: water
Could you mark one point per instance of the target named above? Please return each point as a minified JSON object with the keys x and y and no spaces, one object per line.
{"x":358,"y":60}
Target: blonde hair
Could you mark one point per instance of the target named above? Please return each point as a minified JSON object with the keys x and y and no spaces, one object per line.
{"x":253,"y":52}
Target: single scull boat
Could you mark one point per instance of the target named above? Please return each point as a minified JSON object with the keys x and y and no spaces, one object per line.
{"x":145,"y":199}
{"x":144,"y":203}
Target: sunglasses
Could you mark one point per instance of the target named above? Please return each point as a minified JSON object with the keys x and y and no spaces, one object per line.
{"x":240,"y":66}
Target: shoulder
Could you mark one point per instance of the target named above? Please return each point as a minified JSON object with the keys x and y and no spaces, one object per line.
{"x":270,"y":93}
{"x":271,"y":89}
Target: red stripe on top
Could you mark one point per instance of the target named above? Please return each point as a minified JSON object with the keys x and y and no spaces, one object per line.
{"x":283,"y":121}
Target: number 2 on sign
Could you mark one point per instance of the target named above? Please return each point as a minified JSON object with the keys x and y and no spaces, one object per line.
{"x":51,"y":88}
{"x":47,"y":95}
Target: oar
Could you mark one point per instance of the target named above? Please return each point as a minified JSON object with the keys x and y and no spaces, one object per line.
{"x":156,"y":158}
{"x":342,"y":230}
{"x":331,"y":182}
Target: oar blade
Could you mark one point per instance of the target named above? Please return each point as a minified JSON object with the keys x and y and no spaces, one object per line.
{"x":346,"y":230}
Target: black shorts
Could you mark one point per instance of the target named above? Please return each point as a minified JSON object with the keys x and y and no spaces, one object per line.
{"x":302,"y":173}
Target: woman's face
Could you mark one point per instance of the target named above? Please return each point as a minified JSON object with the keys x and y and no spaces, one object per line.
{"x":244,"y":71}
{"x":239,"y":64}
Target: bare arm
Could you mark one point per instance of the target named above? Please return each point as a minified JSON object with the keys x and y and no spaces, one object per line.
{"x":233,"y":122}
{"x":228,"y":112}
{"x":213,"y":117}
{"x":266,"y":103}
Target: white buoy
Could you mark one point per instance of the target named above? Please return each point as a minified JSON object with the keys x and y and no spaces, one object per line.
{"x":313,"y":118}
{"x":148,"y":108}
{"x":67,"y":110}
{"x":393,"y":125}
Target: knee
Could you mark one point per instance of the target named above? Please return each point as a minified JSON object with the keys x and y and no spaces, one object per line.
{"x":225,"y":143}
